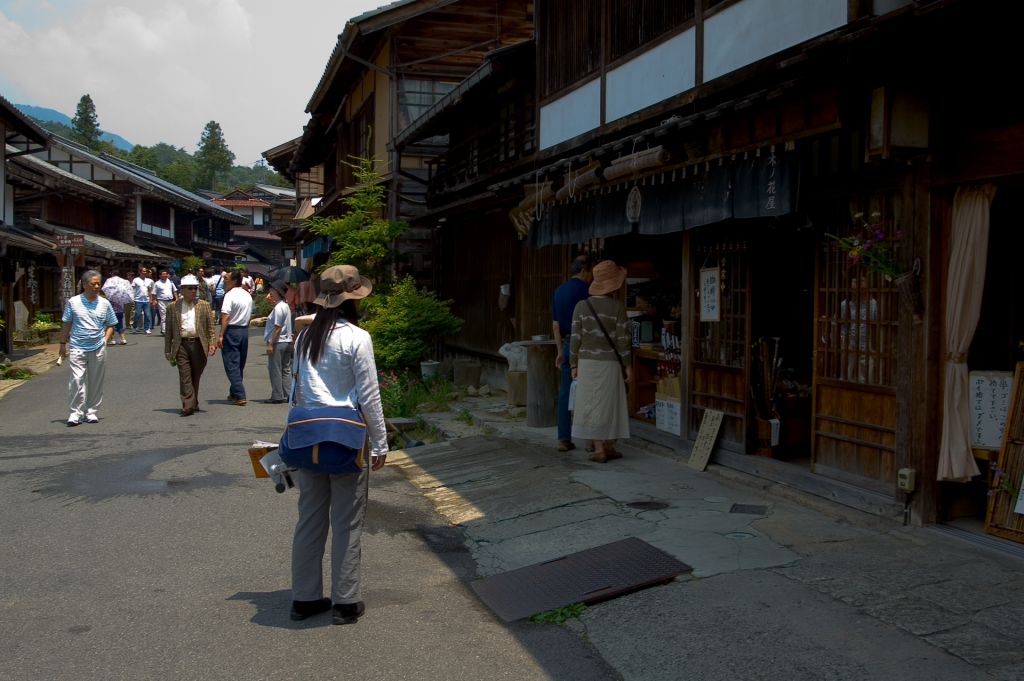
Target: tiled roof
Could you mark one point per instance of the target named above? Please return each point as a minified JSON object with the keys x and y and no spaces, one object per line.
{"x":254,"y":234}
{"x":95,"y":241}
{"x":39,"y":165}
{"x":21,"y":122}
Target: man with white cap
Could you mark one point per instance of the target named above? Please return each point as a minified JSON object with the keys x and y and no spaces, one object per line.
{"x":189,"y":340}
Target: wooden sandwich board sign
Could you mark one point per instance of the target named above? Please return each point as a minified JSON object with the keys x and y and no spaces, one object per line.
{"x":706,"y":437}
{"x":1005,"y":517}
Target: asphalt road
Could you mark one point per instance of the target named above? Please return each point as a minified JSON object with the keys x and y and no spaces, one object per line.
{"x":144,"y":547}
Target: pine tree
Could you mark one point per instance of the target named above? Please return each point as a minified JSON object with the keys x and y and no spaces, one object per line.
{"x":85,"y":124}
{"x":213,"y":156}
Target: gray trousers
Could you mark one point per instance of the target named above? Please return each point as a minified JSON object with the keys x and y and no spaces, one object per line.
{"x":326,"y":501}
{"x":279,"y":365}
{"x":85,"y":387}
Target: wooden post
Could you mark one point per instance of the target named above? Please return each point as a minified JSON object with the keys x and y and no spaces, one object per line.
{"x":516,"y":387}
{"x":542,"y":385}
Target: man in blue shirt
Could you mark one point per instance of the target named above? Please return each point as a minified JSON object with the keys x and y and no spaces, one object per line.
{"x":562,"y":305}
{"x":89,"y":322}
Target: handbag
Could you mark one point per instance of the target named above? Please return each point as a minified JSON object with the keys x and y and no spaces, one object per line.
{"x":608,"y":338}
{"x":322,"y":439}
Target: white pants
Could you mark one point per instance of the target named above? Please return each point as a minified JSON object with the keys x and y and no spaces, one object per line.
{"x":85,"y":390}
{"x":162,"y":304}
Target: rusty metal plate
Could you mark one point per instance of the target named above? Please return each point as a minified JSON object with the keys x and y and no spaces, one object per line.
{"x":584,"y":577}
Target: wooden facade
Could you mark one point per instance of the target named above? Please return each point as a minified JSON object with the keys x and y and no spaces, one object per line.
{"x":868,"y":372}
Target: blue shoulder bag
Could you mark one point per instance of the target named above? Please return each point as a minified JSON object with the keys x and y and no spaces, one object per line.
{"x":323,"y":440}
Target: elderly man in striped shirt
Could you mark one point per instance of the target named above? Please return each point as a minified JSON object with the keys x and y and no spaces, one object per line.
{"x":89,"y":322}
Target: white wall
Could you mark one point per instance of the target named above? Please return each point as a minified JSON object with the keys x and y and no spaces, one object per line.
{"x":7,"y":203}
{"x":754,"y":29}
{"x":653,"y":76}
{"x":571,"y":115}
{"x":3,"y":175}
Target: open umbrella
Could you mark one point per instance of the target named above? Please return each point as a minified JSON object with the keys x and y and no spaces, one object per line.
{"x":291,"y":274}
{"x":118,"y":291}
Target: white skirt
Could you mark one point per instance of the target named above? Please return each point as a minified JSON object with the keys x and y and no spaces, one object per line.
{"x":601,"y":411}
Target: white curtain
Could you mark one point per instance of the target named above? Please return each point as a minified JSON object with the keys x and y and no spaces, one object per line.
{"x":968,"y":252}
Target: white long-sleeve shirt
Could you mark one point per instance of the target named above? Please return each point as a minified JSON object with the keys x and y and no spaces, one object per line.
{"x":345,"y":376}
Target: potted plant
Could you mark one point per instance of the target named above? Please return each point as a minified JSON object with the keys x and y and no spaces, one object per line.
{"x":875,"y":249}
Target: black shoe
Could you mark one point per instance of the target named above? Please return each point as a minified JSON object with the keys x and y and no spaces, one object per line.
{"x":348,"y":613}
{"x":303,"y":609}
{"x":274,"y":401}
{"x":185,"y":412}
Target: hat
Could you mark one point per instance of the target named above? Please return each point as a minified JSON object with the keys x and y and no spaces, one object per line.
{"x":281,"y":286}
{"x":189,"y":280}
{"x":341,"y":283}
{"x":607,"y":278}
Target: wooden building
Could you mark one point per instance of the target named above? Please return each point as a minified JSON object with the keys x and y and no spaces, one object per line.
{"x":733,"y":137}
{"x":389,"y":67}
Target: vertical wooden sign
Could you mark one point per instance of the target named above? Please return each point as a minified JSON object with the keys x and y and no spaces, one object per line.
{"x":706,"y":437}
{"x":710,"y":286}
{"x":1005,"y":517}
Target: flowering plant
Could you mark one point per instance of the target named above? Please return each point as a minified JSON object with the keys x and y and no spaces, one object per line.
{"x":1001,"y":483}
{"x":402,"y":391}
{"x":873,"y":248}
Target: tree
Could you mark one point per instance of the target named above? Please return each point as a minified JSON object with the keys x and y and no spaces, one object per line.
{"x":361,"y":236}
{"x":144,"y":156}
{"x":182,"y":172}
{"x":85,"y":124}
{"x":403,"y":322}
{"x":213,"y":156}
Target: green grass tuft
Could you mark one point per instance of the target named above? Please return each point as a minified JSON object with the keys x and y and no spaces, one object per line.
{"x":559,"y":615}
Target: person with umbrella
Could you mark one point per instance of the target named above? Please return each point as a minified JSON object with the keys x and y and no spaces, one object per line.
{"x":118,"y":292}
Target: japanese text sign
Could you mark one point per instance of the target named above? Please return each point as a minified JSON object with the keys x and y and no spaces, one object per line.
{"x":710,"y":286}
{"x":989,"y":400}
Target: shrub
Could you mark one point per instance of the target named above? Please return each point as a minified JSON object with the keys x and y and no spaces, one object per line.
{"x":402,"y":322}
{"x":191,"y":262}
{"x":263,"y":306}
{"x":401,"y":391}
{"x":42,"y":320}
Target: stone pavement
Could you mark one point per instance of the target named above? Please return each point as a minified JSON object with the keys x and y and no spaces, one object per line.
{"x":790,"y":592}
{"x":37,"y":360}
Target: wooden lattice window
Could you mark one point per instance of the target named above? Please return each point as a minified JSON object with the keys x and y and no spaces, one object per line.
{"x":633,"y":23}
{"x":858,"y":311}
{"x":723,"y":342}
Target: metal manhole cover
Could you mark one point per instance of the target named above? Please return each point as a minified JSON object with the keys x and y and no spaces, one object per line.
{"x":739,"y":535}
{"x":709,"y":513}
{"x":716,"y":500}
{"x":648,"y":505}
{"x":750,"y":509}
{"x":583,"y":577}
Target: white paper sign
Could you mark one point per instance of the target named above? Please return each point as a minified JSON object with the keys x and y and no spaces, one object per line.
{"x":989,"y":400}
{"x":710,"y":285}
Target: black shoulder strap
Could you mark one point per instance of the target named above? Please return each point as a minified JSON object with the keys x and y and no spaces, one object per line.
{"x":606,"y":336}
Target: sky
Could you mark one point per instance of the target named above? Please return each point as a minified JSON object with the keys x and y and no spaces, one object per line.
{"x":159,"y":70}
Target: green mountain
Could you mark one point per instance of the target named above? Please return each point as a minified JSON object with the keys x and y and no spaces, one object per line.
{"x":52,"y":116}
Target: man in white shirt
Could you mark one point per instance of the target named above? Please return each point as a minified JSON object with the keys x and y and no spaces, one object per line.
{"x":141,"y":292}
{"x":248,"y":283}
{"x":88,"y":323}
{"x":278,"y":335}
{"x":234,"y":334}
{"x":165,"y":292}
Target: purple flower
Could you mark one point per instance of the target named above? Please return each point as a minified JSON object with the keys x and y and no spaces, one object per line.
{"x":879,"y":234}
{"x":867,"y":244}
{"x":899,"y":233}
{"x":866,"y":260}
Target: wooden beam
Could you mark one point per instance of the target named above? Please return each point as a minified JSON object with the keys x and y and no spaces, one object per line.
{"x":404,"y":13}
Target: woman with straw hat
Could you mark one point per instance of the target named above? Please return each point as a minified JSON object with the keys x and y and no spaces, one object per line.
{"x":334,"y":368}
{"x":600,"y":355}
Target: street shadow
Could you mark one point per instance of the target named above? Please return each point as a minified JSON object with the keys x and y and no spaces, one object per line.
{"x":169,"y":411}
{"x":273,"y":608}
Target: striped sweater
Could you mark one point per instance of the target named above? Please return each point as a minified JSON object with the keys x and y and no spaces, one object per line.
{"x":588,"y":342}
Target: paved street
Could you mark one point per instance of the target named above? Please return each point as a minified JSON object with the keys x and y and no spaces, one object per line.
{"x":143,"y":547}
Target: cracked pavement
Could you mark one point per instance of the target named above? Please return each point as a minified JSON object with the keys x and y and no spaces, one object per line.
{"x":794,"y":593}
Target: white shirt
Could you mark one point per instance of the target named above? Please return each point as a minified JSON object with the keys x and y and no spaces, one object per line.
{"x":164,"y":290}
{"x":280,"y":316}
{"x":237,"y":306}
{"x":345,"y":376}
{"x":248,"y":284}
{"x":188,"y":318}
{"x":140,"y":287}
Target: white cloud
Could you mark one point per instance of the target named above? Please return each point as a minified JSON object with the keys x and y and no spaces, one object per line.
{"x":160,"y":71}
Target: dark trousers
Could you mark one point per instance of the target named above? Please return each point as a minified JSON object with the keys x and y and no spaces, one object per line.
{"x":564,"y":415}
{"x":191,"y":359}
{"x":234,"y":354}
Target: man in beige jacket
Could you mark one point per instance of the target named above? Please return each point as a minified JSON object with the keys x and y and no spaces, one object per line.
{"x":189,"y":340}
